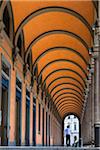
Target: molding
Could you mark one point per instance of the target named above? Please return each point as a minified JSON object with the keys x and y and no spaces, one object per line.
{"x":97,"y":124}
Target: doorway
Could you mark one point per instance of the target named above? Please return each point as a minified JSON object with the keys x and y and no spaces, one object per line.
{"x":71,"y":131}
{"x":34,"y":121}
{"x":4,"y":111}
{"x":49,"y":130}
{"x":43,"y":126}
{"x":27,"y":132}
{"x":18,"y":112}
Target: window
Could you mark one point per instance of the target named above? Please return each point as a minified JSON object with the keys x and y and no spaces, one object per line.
{"x":75,"y":126}
{"x":34,"y":100}
{"x":68,"y":117}
{"x":18,"y":89}
{"x":20,"y":44}
{"x":39,"y":118}
{"x":6,"y":20}
{"x":18,"y":111}
{"x":5,"y":68}
{"x":29,"y":60}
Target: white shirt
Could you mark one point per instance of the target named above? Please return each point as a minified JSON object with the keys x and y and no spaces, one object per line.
{"x":67,"y":131}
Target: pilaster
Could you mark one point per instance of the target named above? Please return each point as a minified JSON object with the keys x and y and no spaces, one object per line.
{"x":97,"y":80}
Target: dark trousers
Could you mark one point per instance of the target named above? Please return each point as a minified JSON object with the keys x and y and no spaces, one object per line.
{"x":68,"y":140}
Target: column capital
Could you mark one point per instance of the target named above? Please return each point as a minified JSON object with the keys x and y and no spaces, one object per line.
{"x":97,"y":124}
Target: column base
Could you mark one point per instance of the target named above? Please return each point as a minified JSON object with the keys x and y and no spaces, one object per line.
{"x":97,"y":135}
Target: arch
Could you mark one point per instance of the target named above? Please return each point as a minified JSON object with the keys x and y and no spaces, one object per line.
{"x":72,"y":113}
{"x":67,"y":111}
{"x":66,"y":83}
{"x":64,"y":110}
{"x":64,"y":56}
{"x":29,"y":62}
{"x":69,"y":107}
{"x":73,"y":97}
{"x":66,"y":91}
{"x":65,"y":94}
{"x":65,"y":101}
{"x":20,"y":44}
{"x":55,"y":32}
{"x":68,"y":98}
{"x":50,"y":9}
{"x":68,"y":103}
{"x":63,"y":69}
{"x":39,"y":49}
{"x":65,"y":78}
{"x":58,"y":48}
{"x":65,"y":61}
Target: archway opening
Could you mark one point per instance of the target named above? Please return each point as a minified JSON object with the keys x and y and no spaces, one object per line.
{"x":6,"y":20}
{"x":71,"y":130}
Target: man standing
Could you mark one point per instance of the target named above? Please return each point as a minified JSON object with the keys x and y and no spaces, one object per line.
{"x":67,"y":131}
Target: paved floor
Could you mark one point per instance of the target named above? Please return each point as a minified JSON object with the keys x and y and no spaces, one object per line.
{"x":46,"y":148}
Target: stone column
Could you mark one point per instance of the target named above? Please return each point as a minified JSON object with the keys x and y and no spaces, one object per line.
{"x":31,"y":118}
{"x":97,"y":81}
{"x":80,"y":139}
{"x":92,"y":110}
{"x":23,"y":113}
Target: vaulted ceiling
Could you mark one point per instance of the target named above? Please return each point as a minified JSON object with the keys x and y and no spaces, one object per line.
{"x":59,"y":35}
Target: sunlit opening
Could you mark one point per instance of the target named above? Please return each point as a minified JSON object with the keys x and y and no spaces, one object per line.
{"x":71,"y":131}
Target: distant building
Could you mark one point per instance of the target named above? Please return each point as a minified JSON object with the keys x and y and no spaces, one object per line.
{"x":73,"y":123}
